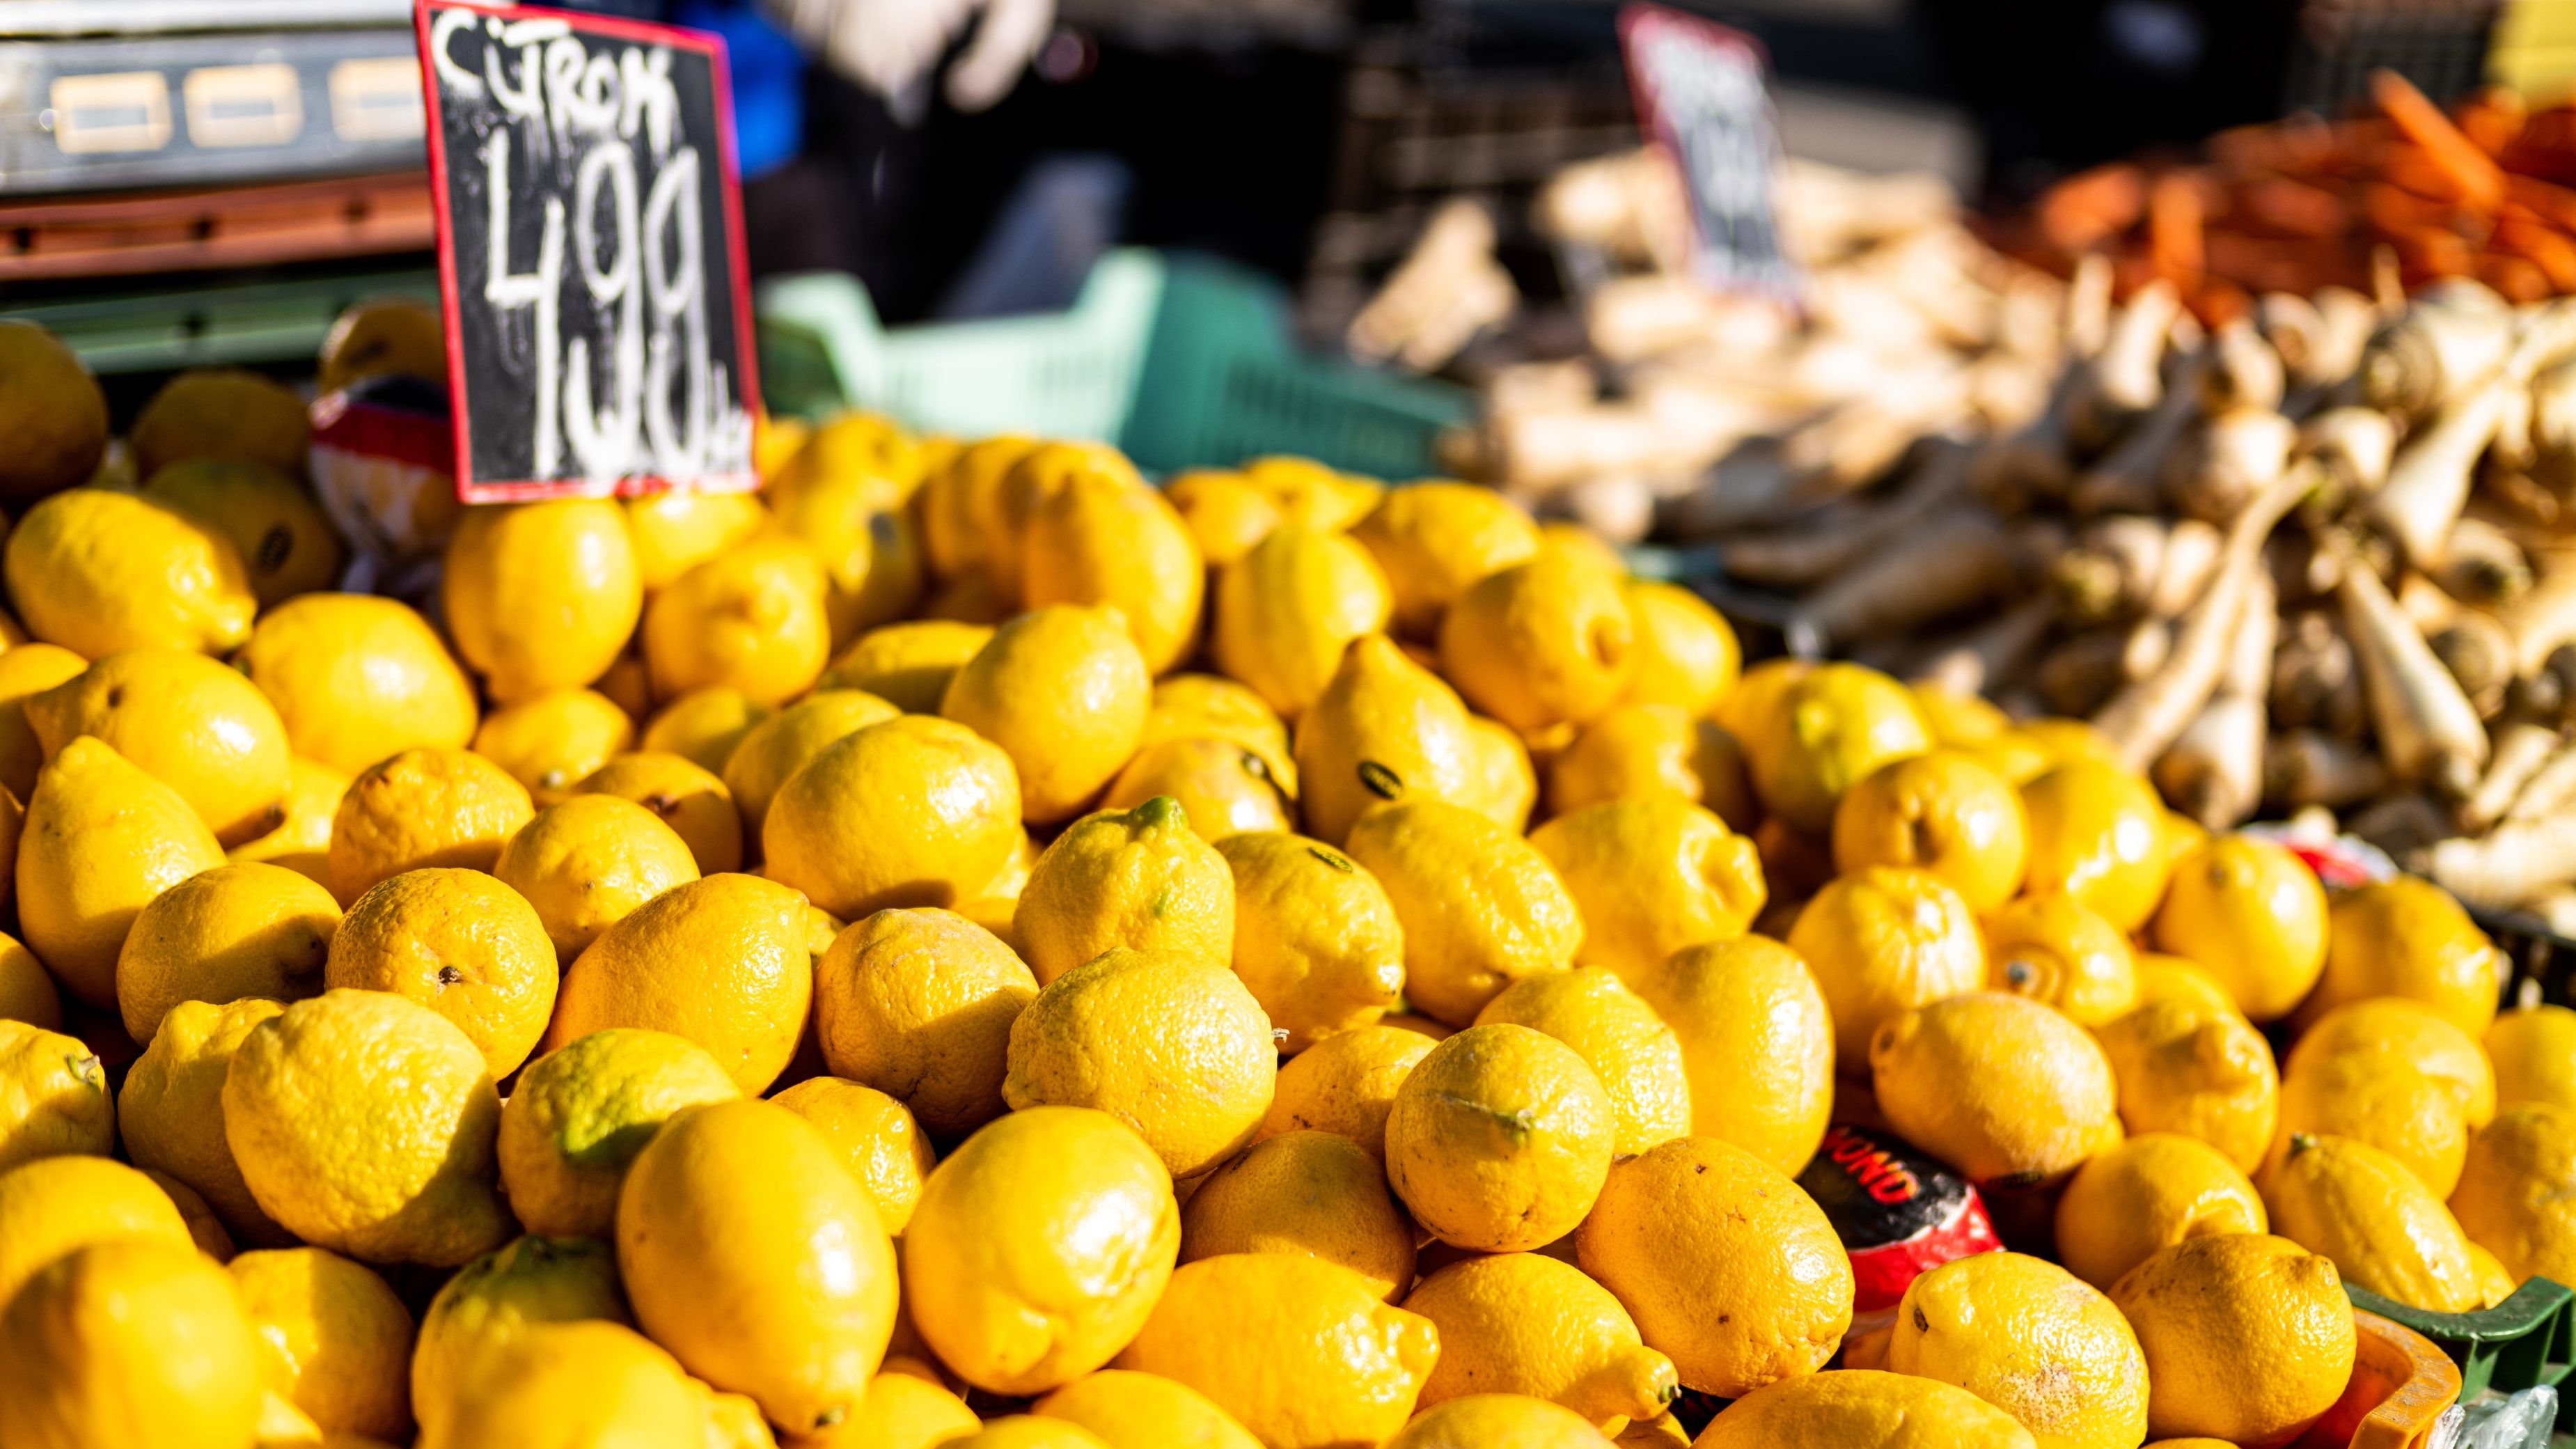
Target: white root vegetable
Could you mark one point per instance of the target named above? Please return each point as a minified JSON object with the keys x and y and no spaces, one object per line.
{"x":2550,"y":787}
{"x":2543,"y":617}
{"x":2553,"y":429}
{"x":2083,"y":670}
{"x":2457,"y":335}
{"x":2111,"y":569}
{"x":2214,"y":771}
{"x":2517,"y":861}
{"x":2125,"y":479}
{"x":2304,"y":767}
{"x":2522,"y":747}
{"x":1983,"y":659}
{"x":1952,"y":561}
{"x":1447,"y":290}
{"x":2429,"y":482}
{"x":1799,"y":557}
{"x":2482,"y":565}
{"x":2143,"y":720}
{"x":2125,"y":379}
{"x":2425,"y":721}
{"x":2479,"y":654}
{"x":2245,"y":371}
{"x":2355,"y":445}
{"x":2227,"y":460}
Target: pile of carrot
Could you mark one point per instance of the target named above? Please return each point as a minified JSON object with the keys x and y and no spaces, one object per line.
{"x":2485,"y":190}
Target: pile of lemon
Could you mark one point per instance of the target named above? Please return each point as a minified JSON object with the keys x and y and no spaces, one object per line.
{"x":968,"y":948}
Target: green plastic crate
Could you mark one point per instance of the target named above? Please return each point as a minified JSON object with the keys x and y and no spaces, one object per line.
{"x":232,"y":324}
{"x":1181,"y":362}
{"x":2528,"y":1339}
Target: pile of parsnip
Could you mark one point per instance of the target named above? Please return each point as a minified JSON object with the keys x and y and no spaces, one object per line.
{"x":2321,"y":559}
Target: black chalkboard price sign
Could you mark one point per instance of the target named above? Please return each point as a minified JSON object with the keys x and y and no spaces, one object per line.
{"x":1701,"y":95}
{"x":590,"y":254}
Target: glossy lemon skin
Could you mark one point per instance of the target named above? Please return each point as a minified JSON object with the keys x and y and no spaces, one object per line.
{"x":2253,"y":915}
{"x":1065,"y":693}
{"x":1500,"y":1139}
{"x":2247,"y":1337}
{"x":97,"y":572}
{"x":542,"y":596}
{"x":101,"y":840}
{"x":911,"y":812}
{"x":130,"y":1341}
{"x":357,"y":678}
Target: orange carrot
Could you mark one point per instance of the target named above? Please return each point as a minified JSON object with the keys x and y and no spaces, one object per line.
{"x":2518,"y":279}
{"x":2474,"y":176}
{"x":2543,"y":246}
{"x":2285,"y":207}
{"x":2491,"y":119}
{"x":2175,"y":215}
{"x":2552,"y":203}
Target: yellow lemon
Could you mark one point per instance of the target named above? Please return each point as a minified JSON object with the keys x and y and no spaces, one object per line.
{"x":1287,"y":610}
{"x":2096,"y":834}
{"x":1524,"y":1323}
{"x":228,"y":413}
{"x":128,"y":1342}
{"x":419,"y":809}
{"x":675,"y":532}
{"x":902,"y":1409}
{"x":876,"y":1137}
{"x":2251,"y":914}
{"x":1312,"y":494}
{"x":724,"y":961}
{"x":1102,"y":539}
{"x":1316,"y":940}
{"x":750,"y":620}
{"x":1028,"y":1431}
{"x":550,"y":740}
{"x":2514,"y":1196}
{"x":2247,"y":1337}
{"x":1203,"y":706}
{"x":2004,"y":1089}
{"x":960,"y":503}
{"x":1345,"y":1084}
{"x":97,"y":572}
{"x":102,"y":838}
{"x":1506,"y":777}
{"x":2382,"y":1102}
{"x":1959,"y":721}
{"x":1499,"y":1139}
{"x":53,"y":1096}
{"x":1384,"y":728}
{"x":2186,"y":1062}
{"x":285,"y":541}
{"x":686,"y":797}
{"x":1479,"y":906}
{"x":574,"y":1383}
{"x":2408,"y":1032}
{"x":26,"y":993}
{"x":460,"y":943}
{"x":542,"y":596}
{"x":403,"y":336}
{"x":2364,"y":1210}
{"x":1637,"y":1058}
{"x":1854,"y":1407}
{"x":586,"y":863}
{"x":1309,"y":1193}
{"x":1728,"y":1267}
{"x":1975,"y":1322}
{"x":1065,"y":693}
{"x":231,"y":932}
{"x":1226,"y":512}
{"x":27,"y":670}
{"x":57,"y":415}
{"x":54,"y":1205}
{"x":1640,"y":749}
{"x":1757,"y":1047}
{"x":1436,"y":540}
{"x":1039,"y":1247}
{"x":1816,"y":734}
{"x":2533,"y":1049}
{"x":1687,"y":655}
{"x":333,"y":1340}
{"x":786,"y":1294}
{"x":1299,"y":1351}
{"x":919,"y":1004}
{"x":171,"y":1109}
{"x":2054,"y":951}
{"x":492,"y":1300}
{"x":1881,"y":942}
{"x":1167,"y":1042}
{"x":187,"y":721}
{"x":1542,"y":642}
{"x":2408,"y":937}
{"x":1129,"y":1410}
{"x":356,"y":678}
{"x":580,"y":1113}
{"x":1941,"y":812}
{"x":363,"y":1123}
{"x":911,"y":812}
{"x":908,"y":664}
{"x":1223,"y":788}
{"x":1652,"y":875}
{"x":1138,"y":878}
{"x":704,"y":725}
{"x":2146,"y":1194}
{"x":779,"y":746}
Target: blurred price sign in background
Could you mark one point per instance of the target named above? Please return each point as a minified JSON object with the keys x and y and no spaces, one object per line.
{"x":1701,"y":95}
{"x":590,"y":254}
